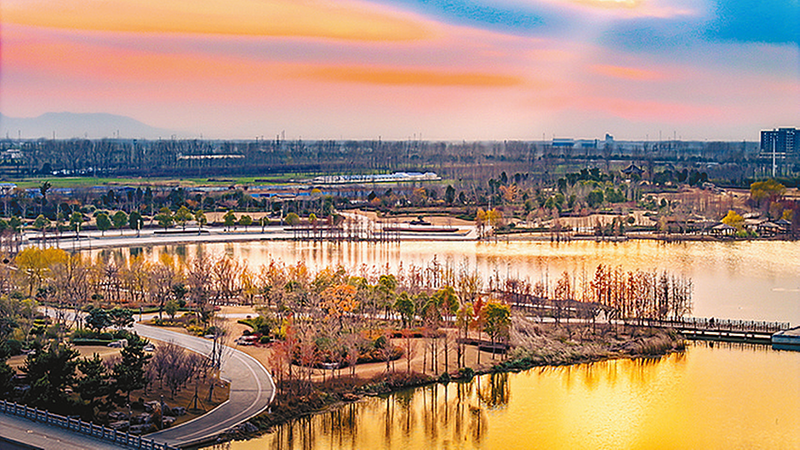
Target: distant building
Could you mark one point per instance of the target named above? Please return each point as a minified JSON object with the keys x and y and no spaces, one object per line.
{"x":633,"y":169}
{"x":781,"y":141}
{"x":563,"y":142}
{"x":397,"y":177}
{"x":587,"y":143}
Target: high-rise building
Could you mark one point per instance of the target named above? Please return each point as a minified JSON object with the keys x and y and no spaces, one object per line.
{"x":783,"y":141}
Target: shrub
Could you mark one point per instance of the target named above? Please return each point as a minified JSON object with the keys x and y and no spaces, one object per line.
{"x":12,"y":347}
{"x":195,"y":330}
{"x":122,"y":334}
{"x":84,"y":333}
{"x":466,"y":373}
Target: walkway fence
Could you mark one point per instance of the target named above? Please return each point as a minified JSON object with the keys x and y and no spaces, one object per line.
{"x":85,"y":428}
{"x":702,"y":323}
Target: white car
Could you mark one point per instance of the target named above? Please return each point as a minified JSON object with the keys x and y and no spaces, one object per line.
{"x":119,"y":344}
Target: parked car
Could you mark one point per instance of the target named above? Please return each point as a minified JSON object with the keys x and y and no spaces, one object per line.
{"x":247,"y":340}
{"x":122,"y":343}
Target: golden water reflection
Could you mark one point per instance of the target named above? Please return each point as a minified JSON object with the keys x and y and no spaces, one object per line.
{"x":755,"y":280}
{"x":711,"y":397}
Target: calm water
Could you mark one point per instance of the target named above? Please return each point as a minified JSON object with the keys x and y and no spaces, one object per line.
{"x":720,"y":397}
{"x":723,"y":397}
{"x":737,"y":280}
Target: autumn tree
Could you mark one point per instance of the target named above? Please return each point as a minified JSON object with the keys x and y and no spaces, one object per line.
{"x":496,"y":322}
{"x":766,"y":192}
{"x":338,"y":301}
{"x":561,"y":295}
{"x":199,"y":280}
{"x":734,"y":219}
{"x":34,"y":265}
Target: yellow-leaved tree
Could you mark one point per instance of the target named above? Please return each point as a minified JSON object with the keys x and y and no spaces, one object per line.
{"x":34,"y":265}
{"x":734,"y":219}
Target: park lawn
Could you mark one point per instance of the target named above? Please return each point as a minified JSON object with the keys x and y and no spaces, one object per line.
{"x":86,"y":351}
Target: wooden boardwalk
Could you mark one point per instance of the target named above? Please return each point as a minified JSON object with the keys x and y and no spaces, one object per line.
{"x":749,"y":331}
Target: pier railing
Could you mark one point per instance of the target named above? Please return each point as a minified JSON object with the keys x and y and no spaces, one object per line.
{"x":712,"y":324}
{"x":85,"y":428}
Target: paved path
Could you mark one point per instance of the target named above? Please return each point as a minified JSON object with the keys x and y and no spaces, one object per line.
{"x":112,"y":239}
{"x":252,"y":390}
{"x":47,"y":437}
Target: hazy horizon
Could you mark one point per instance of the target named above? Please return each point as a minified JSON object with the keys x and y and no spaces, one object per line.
{"x":704,"y":70}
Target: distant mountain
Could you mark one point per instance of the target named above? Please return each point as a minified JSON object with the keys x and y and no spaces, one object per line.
{"x":68,"y":125}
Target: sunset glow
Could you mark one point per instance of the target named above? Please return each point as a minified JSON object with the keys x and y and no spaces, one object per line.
{"x":276,"y":18}
{"x":512,"y":69}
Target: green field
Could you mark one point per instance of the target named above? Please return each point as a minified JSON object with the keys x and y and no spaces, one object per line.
{"x":82,"y":182}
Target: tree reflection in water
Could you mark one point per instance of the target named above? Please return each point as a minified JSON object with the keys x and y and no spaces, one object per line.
{"x":608,"y":404}
{"x":495,"y":393}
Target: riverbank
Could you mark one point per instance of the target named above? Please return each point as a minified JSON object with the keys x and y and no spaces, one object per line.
{"x":534,"y":345}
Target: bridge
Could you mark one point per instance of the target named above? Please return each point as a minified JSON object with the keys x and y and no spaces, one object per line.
{"x":701,"y":328}
{"x":748,"y":331}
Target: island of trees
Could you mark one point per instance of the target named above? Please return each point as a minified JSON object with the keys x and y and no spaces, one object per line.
{"x":327,"y":335}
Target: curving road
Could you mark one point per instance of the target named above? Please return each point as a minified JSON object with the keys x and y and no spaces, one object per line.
{"x":252,"y":390}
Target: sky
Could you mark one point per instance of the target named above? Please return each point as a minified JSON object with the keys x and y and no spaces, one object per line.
{"x":403,"y":69}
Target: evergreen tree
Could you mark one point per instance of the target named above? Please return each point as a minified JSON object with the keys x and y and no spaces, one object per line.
{"x":103,"y":222}
{"x":95,"y":382}
{"x":129,"y":374}
{"x":49,"y":373}
{"x":98,"y":319}
{"x":136,"y":222}
{"x":120,"y":220}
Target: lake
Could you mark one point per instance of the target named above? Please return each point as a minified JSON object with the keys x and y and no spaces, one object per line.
{"x":729,"y":396}
{"x":713,"y":396}
{"x":748,"y":280}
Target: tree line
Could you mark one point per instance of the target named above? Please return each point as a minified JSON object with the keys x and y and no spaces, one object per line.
{"x":337,"y":317}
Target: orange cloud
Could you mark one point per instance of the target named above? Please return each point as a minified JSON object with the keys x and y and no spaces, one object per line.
{"x":627,"y":73}
{"x":174,"y":76}
{"x":409,"y":77}
{"x":344,"y":19}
